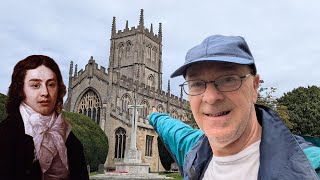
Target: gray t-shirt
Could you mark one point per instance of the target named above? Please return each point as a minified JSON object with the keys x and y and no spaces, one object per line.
{"x":241,"y":166}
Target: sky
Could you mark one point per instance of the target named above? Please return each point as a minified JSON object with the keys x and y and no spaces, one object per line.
{"x":284,"y":36}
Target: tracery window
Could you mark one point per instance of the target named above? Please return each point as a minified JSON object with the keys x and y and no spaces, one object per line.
{"x":90,"y":106}
{"x":145,"y":110}
{"x":160,"y":108}
{"x":185,"y":117}
{"x":148,"y":49}
{"x":174,"y":114}
{"x":125,"y":101}
{"x":154,"y":53}
{"x":150,"y":81}
{"x":120,"y":53}
{"x":128,"y":47}
{"x":120,"y":143}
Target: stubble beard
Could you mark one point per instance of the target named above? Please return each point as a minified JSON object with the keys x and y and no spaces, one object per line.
{"x":233,"y":139}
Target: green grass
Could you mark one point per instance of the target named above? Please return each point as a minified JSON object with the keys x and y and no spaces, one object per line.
{"x":174,"y":175}
{"x":93,"y":173}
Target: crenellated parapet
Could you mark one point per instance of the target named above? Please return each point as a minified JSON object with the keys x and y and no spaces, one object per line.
{"x":152,"y":36}
{"x":136,"y":29}
{"x":101,"y":73}
{"x":91,"y":69}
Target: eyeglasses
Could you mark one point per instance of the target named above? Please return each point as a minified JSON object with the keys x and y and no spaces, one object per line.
{"x":226,"y":83}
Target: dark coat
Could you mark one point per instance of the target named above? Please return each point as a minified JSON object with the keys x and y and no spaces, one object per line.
{"x":282,"y":154}
{"x":17,"y":153}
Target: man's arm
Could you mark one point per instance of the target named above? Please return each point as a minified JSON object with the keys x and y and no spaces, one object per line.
{"x":177,"y":136}
{"x":312,"y":152}
{"x":313,"y":155}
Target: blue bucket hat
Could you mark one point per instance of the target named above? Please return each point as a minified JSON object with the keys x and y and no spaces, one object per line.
{"x":218,"y":48}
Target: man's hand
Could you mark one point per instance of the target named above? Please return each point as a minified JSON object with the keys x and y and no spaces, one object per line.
{"x":152,"y":111}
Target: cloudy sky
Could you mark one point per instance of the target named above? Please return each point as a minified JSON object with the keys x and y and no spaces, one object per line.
{"x":284,"y":36}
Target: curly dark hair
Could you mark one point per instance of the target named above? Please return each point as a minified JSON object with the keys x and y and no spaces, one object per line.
{"x":15,"y":92}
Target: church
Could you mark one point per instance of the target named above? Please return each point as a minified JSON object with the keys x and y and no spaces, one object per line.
{"x":134,"y":74}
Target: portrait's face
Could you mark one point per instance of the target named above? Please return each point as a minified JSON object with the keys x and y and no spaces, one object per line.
{"x":223,"y":116}
{"x":41,"y":90}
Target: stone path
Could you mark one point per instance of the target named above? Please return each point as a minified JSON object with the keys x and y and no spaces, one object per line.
{"x":118,"y":176}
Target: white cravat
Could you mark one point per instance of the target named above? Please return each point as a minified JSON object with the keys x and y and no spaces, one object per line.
{"x":49,"y":135}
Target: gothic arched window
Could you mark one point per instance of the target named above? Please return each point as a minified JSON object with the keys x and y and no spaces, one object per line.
{"x":154,"y":53}
{"x":149,"y":142}
{"x":150,"y":81}
{"x":120,"y":53}
{"x":128,"y":47}
{"x":160,"y":108}
{"x":120,"y":143}
{"x":185,"y":117}
{"x":148,"y":49}
{"x":145,"y":110}
{"x":90,"y":106}
{"x":174,"y":114}
{"x":125,"y":100}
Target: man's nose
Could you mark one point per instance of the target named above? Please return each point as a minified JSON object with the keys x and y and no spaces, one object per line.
{"x":212,"y":94}
{"x":44,"y":91}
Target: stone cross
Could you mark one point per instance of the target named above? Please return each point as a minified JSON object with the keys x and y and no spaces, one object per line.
{"x":133,"y":144}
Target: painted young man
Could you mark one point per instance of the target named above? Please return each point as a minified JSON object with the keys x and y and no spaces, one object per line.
{"x":238,"y":139}
{"x":36,"y":141}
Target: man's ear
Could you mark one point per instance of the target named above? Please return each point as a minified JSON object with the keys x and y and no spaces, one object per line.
{"x":256,"y":82}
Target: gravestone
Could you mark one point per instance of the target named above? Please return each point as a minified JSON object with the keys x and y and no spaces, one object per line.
{"x":101,"y":169}
{"x":88,"y":169}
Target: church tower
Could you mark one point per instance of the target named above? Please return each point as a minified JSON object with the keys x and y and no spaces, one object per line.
{"x":134,"y":74}
{"x":136,"y":52}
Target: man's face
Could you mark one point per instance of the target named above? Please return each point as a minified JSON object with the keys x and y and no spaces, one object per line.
{"x":41,"y":89}
{"x":223,"y":116}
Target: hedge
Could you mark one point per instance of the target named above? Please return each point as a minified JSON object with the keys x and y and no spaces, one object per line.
{"x":92,"y":137}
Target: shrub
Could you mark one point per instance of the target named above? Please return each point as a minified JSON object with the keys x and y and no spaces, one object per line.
{"x":165,"y":157}
{"x":92,"y":137}
{"x":303,"y":104}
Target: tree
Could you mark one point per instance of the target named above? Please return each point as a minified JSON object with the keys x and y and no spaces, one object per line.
{"x":92,"y":137}
{"x":303,"y":105}
{"x":266,"y":98}
{"x":165,"y":157}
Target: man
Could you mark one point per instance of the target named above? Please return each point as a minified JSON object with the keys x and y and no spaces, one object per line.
{"x":238,"y":139}
{"x":36,"y":141}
